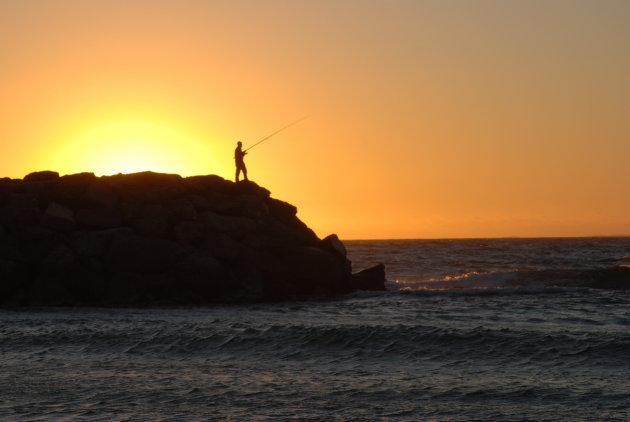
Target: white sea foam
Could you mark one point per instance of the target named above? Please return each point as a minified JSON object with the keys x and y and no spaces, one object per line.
{"x":473,"y":280}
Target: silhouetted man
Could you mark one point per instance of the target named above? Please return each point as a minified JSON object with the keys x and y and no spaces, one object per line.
{"x":239,"y":155}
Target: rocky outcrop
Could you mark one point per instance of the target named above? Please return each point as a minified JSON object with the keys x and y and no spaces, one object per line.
{"x":370,"y":279}
{"x":151,"y":238}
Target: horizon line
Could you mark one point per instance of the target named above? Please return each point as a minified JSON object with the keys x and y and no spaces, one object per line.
{"x":487,"y":238}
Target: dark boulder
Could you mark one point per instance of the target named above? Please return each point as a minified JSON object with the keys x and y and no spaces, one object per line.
{"x":58,"y":217}
{"x":41,"y":176}
{"x":372,"y":278}
{"x":333,"y":245}
{"x":68,"y":190}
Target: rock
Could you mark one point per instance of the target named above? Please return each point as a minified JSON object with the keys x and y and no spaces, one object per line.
{"x":95,"y":243}
{"x":182,"y":210}
{"x":187,"y":232}
{"x":84,"y":178}
{"x":40,"y":176}
{"x":68,"y":190}
{"x":209,"y":183}
{"x":225,"y":223}
{"x":149,"y":219}
{"x":332,"y":244}
{"x":281,"y":209}
{"x":14,"y":280}
{"x":12,"y":217}
{"x":147,"y":186}
{"x":221,"y":246}
{"x":223,"y":203}
{"x":58,"y":217}
{"x":252,"y":206}
{"x":304,"y":271}
{"x":247,"y":277}
{"x":9,"y":249}
{"x":24,"y":200}
{"x":60,"y":260}
{"x":202,"y":278}
{"x":138,"y":254}
{"x":199,"y":202}
{"x":126,"y":288}
{"x":101,"y":218}
{"x":158,"y":239}
{"x":35,"y":242}
{"x":101,"y":194}
{"x":372,"y":278}
{"x":60,"y":212}
{"x":14,"y":272}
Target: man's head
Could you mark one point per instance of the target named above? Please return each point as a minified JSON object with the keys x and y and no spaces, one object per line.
{"x":239,"y":144}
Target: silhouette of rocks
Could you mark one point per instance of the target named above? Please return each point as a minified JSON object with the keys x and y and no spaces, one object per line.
{"x":39,"y":176}
{"x":150,"y":238}
{"x":372,"y":278}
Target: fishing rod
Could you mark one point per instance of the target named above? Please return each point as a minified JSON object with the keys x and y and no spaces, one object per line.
{"x":276,"y":132}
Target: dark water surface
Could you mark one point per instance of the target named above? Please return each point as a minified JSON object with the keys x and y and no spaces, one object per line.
{"x":461,"y":336}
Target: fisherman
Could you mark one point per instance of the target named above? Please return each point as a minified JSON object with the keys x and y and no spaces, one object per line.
{"x":239,"y":156}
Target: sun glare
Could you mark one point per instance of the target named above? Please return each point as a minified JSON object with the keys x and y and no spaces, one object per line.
{"x":133,"y":145}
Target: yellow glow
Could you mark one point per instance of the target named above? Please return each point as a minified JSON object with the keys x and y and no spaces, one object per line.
{"x":127,"y":144}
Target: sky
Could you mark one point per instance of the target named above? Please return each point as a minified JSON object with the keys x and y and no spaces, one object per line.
{"x":427,"y":119}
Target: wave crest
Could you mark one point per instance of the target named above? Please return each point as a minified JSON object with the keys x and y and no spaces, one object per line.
{"x":617,"y":277}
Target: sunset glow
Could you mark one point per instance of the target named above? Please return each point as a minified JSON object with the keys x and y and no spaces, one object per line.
{"x":428,"y":119}
{"x":127,"y":145}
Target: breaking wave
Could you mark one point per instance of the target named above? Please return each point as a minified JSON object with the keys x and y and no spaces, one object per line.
{"x":616,"y":277}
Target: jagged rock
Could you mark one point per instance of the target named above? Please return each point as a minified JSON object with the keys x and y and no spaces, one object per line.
{"x":372,"y":278}
{"x":281,"y":208}
{"x":151,"y":238}
{"x":333,"y":244}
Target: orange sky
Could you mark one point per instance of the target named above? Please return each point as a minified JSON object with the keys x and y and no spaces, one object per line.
{"x":428,"y":118}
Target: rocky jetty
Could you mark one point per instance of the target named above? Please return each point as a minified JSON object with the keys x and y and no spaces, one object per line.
{"x":152,"y":239}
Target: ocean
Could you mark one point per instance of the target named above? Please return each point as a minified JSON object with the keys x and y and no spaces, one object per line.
{"x":479,"y":329}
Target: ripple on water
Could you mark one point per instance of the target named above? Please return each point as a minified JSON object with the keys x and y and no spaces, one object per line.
{"x":386,"y":356}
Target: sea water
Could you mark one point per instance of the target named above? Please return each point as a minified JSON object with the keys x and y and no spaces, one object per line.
{"x":468,"y":330}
